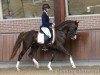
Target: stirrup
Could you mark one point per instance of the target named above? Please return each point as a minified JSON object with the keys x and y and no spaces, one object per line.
{"x":44,"y":48}
{"x":50,"y":43}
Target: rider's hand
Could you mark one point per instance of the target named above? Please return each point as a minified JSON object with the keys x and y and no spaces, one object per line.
{"x":53,"y":25}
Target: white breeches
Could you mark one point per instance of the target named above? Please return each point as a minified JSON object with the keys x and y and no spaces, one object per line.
{"x":46,"y":31}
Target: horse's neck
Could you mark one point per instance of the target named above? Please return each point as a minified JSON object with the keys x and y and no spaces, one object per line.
{"x":63,"y":25}
{"x":60,"y":37}
{"x":60,"y":33}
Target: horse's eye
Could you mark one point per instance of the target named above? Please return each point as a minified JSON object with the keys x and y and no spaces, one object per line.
{"x":72,"y":29}
{"x":75,"y":28}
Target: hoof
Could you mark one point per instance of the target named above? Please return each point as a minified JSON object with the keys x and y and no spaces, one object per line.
{"x":74,"y":66}
{"x":49,"y":66}
{"x":36,"y":63}
{"x":37,"y":66}
{"x":50,"y":69}
{"x":18,"y":69}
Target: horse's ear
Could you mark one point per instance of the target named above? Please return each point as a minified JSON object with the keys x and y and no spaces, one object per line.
{"x":77,"y":21}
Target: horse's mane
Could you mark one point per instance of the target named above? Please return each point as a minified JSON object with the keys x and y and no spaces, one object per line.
{"x":63,"y":24}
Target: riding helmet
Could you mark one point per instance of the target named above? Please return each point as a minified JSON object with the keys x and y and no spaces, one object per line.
{"x":45,"y":6}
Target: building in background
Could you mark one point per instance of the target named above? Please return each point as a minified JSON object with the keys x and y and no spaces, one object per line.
{"x":26,"y":8}
{"x":27,"y":17}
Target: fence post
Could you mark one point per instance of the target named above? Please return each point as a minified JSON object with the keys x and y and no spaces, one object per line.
{"x":60,"y":12}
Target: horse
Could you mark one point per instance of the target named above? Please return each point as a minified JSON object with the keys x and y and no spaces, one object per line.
{"x":63,"y":31}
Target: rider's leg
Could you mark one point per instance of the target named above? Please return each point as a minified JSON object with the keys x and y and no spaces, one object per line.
{"x":46,"y":31}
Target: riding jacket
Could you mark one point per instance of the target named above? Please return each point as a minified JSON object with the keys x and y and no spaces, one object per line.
{"x":45,"y":20}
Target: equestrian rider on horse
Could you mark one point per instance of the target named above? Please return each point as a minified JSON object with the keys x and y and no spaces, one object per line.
{"x":45,"y":27}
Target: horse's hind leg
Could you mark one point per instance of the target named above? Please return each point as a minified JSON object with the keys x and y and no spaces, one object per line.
{"x":33,"y":52}
{"x":49,"y":64}
{"x":36,"y":63}
{"x":25,"y":48}
{"x":19,"y":58}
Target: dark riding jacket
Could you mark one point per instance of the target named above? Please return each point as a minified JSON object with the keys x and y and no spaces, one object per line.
{"x":45,"y":20}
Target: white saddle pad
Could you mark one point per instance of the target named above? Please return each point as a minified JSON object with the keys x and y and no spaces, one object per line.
{"x":40,"y":38}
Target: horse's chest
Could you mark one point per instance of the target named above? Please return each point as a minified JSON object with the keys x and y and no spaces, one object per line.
{"x":61,"y":38}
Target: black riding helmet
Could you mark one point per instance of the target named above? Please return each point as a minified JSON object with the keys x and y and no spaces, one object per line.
{"x":45,"y":6}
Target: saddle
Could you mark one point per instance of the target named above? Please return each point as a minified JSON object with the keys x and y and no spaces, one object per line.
{"x":42,"y":38}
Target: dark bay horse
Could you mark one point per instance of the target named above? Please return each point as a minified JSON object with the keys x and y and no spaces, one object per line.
{"x":63,"y":31}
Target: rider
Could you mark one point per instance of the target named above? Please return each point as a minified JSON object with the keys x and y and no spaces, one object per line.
{"x":45,"y":21}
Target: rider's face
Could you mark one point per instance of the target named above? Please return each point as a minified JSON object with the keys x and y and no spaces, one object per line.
{"x":47,"y":9}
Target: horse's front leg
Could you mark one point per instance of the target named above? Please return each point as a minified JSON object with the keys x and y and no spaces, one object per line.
{"x":62,"y":49}
{"x":52,"y":58}
{"x":72,"y":62}
{"x":35,"y":48}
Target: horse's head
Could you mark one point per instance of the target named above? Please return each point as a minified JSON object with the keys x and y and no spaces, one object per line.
{"x":73,"y":29}
{"x":69,"y":27}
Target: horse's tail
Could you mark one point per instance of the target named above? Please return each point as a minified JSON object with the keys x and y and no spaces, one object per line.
{"x":17,"y":45}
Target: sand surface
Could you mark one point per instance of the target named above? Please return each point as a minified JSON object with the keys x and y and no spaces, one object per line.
{"x":56,"y":71}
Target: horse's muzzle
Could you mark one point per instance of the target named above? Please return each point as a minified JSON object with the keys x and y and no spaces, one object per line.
{"x":74,"y":38}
